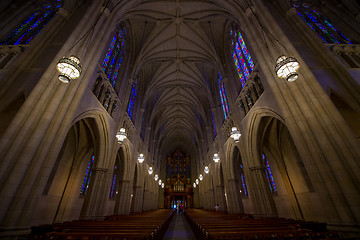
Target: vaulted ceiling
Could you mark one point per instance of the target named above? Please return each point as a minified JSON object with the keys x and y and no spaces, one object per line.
{"x":177,"y":52}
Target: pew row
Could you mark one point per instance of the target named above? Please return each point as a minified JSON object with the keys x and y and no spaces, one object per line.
{"x":211,"y":225}
{"x":148,"y":226}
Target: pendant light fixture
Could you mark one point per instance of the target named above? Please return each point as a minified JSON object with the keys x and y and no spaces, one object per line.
{"x":235,"y":134}
{"x":121,"y":135}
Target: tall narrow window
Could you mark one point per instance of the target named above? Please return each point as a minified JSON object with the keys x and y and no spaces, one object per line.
{"x":33,"y":24}
{"x":223,"y":97}
{"x":318,"y":23}
{"x":269,"y":175}
{"x":114,"y":56}
{"x":132,"y":98}
{"x":86,"y":182}
{"x":213,"y":124}
{"x":142,"y":129}
{"x":114,"y":182}
{"x":243,"y":182}
{"x":243,"y":62}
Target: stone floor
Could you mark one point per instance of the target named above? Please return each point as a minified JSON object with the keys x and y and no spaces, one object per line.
{"x":179,"y":229}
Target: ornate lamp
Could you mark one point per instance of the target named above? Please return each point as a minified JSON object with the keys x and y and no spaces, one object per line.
{"x":194,"y":185}
{"x":162,"y":185}
{"x":216,"y":158}
{"x":69,"y":68}
{"x":141,"y":159}
{"x":201,"y":177}
{"x":287,"y":67}
{"x":156,"y":177}
{"x":160,"y":182}
{"x":206,"y":169}
{"x":121,"y":135}
{"x":235,"y":134}
{"x":150,"y":170}
{"x":197,"y":181}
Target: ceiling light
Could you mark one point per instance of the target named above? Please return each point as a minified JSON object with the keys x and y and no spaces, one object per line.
{"x":287,"y":67}
{"x":235,"y":134}
{"x":69,"y":68}
{"x":121,"y":135}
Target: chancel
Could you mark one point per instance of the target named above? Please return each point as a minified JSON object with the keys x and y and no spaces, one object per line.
{"x":157,"y":111}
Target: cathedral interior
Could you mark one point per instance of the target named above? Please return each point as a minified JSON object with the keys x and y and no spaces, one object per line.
{"x":120,"y":107}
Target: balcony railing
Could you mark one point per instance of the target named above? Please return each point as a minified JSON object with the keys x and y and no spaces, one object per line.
{"x":106,"y":94}
{"x":250,"y":93}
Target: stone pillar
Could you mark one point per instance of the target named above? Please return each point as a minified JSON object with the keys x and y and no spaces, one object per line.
{"x":94,"y":200}
{"x":233,"y":196}
{"x":262,"y":199}
{"x":122,"y":205}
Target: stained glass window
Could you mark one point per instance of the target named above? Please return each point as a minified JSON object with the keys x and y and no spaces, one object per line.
{"x":269,"y":175}
{"x":243,"y":182}
{"x":33,"y":24}
{"x":318,"y":23}
{"x":132,"y":98}
{"x":223,"y":97}
{"x":213,"y":125}
{"x":86,"y":182}
{"x":114,"y":182}
{"x":243,"y":62}
{"x":114,"y":56}
{"x":142,"y":129}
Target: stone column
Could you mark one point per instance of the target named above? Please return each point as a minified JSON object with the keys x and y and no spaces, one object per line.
{"x":94,"y":200}
{"x":262,"y":199}
{"x":233,"y":196}
{"x":122,"y":205}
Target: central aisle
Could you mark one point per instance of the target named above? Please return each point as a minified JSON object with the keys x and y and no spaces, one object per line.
{"x":179,"y":229}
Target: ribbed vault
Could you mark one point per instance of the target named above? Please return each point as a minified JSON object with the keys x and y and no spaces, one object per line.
{"x":175,"y":46}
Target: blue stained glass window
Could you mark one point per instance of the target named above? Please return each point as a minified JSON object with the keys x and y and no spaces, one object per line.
{"x":243,"y":182}
{"x":269,"y":175}
{"x":32,"y":25}
{"x":114,"y":182}
{"x":243,"y":62}
{"x":132,"y":98}
{"x":86,"y":182}
{"x":319,"y":24}
{"x":213,"y":124}
{"x":114,"y":56}
{"x":223,"y":97}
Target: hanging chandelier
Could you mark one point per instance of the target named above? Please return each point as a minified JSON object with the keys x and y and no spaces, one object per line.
{"x":150,"y":170}
{"x":206,"y":169}
{"x":156,"y":177}
{"x":201,"y":177}
{"x":197,"y":181}
{"x":235,"y":134}
{"x":121,"y":135}
{"x":216,"y":158}
{"x":160,"y":182}
{"x":141,"y":158}
{"x":162,"y":185}
{"x":287,"y":67}
{"x":69,"y":68}
{"x":194,"y":185}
